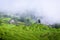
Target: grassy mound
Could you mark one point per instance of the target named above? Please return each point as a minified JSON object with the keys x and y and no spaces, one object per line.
{"x":32,"y":32}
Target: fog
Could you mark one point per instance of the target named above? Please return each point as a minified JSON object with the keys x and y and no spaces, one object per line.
{"x":48,"y":9}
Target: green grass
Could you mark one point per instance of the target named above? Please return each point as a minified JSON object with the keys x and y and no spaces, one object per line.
{"x":32,"y":32}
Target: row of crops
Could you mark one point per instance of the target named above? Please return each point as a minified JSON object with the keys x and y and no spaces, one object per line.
{"x":32,"y":32}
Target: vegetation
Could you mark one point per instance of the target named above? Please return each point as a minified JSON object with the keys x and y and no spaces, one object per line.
{"x":27,"y":29}
{"x":32,"y":32}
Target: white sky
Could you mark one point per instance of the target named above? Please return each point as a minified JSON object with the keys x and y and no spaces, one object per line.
{"x":50,"y":9}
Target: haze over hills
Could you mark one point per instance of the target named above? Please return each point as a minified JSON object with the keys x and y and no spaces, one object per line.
{"x":48,"y":9}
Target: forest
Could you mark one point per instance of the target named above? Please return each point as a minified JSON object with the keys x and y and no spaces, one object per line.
{"x":27,"y":27}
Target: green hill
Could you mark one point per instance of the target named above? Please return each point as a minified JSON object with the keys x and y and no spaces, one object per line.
{"x":32,"y":32}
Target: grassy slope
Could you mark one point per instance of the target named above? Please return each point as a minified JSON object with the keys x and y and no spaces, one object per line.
{"x":33,"y":32}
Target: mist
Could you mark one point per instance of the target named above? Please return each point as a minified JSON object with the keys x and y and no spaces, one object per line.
{"x":48,"y":9}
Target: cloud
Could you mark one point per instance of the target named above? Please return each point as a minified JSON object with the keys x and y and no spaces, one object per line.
{"x":49,"y":9}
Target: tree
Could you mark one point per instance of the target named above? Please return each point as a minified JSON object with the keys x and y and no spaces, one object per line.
{"x":56,"y":25}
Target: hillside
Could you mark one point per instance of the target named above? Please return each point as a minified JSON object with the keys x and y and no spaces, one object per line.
{"x":32,"y":32}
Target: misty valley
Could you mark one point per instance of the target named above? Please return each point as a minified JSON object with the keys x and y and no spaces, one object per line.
{"x":26,"y":27}
{"x":29,"y":19}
